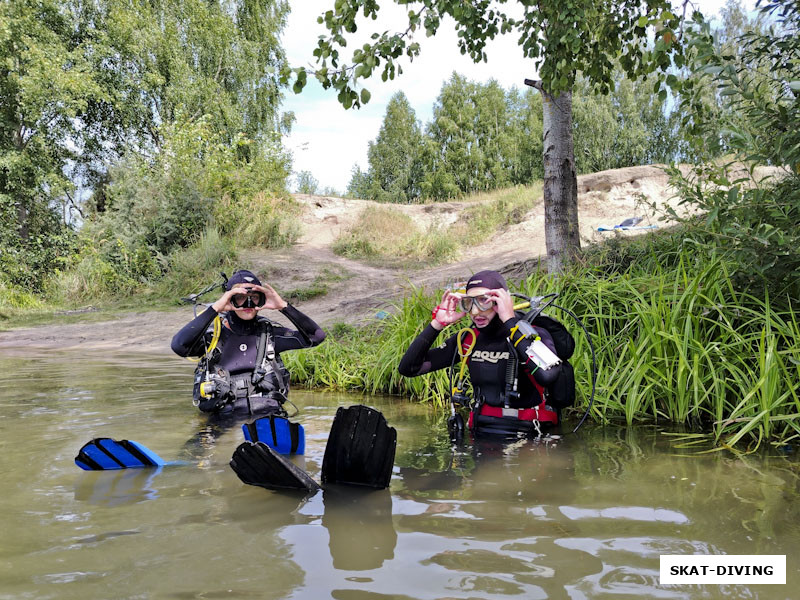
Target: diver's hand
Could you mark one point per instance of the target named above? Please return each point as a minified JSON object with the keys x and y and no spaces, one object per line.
{"x":447,"y":312}
{"x":503,"y":303}
{"x":224,"y":302}
{"x":273,"y":300}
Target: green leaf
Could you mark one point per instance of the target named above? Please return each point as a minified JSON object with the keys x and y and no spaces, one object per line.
{"x":365,"y":96}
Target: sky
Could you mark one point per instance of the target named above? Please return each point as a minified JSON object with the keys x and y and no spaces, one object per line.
{"x":328,"y":140}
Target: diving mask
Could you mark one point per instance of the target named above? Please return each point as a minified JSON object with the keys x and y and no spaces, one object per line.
{"x":483,"y":302}
{"x":248,"y":300}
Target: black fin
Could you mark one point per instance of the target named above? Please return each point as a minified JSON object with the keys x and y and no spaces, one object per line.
{"x":258,"y":464}
{"x":360,"y":448}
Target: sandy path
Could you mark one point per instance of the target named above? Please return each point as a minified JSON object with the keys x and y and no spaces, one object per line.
{"x":604,"y":198}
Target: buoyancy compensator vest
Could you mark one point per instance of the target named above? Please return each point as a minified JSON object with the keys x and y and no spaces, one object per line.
{"x":234,"y":371}
{"x":500,"y":415}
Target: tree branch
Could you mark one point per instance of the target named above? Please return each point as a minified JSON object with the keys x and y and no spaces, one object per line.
{"x":535,"y":83}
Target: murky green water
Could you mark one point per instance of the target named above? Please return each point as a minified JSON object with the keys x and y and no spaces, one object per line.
{"x":586,"y":518}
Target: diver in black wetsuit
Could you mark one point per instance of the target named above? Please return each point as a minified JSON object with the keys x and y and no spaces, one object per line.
{"x":244,"y":370}
{"x":500,"y":405}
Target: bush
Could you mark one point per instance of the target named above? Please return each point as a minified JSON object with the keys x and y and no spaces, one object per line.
{"x":91,"y":277}
{"x":16,"y":298}
{"x":166,"y":202}
{"x":26,"y":260}
{"x":262,"y":220}
{"x":387,"y":234}
{"x":754,"y":223}
{"x":159,"y":212}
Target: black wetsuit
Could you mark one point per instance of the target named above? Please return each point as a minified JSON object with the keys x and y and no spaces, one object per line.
{"x":488,"y":363}
{"x":238,"y":341}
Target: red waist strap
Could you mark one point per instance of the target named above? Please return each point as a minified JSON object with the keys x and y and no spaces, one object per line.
{"x":538,"y":413}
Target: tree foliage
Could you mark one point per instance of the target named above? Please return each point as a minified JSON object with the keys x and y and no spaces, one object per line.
{"x":306,"y":183}
{"x":629,"y":126}
{"x":82,"y":84}
{"x":560,"y":38}
{"x":760,"y":86}
{"x":468,"y":139}
{"x":394,"y":156}
{"x":482,"y":137}
{"x":704,"y":113}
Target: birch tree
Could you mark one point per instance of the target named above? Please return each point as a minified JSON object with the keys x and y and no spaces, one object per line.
{"x":559,"y":39}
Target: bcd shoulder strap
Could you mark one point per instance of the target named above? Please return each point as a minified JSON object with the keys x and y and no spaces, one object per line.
{"x":266,"y":353}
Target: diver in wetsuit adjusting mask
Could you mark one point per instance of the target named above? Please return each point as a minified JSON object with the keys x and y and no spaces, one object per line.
{"x":507,"y":398}
{"x":244,"y":370}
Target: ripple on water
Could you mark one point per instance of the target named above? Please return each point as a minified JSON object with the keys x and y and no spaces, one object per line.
{"x":629,"y":513}
{"x":580,"y":520}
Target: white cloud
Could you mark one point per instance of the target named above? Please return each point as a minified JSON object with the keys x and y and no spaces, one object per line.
{"x":327,"y":140}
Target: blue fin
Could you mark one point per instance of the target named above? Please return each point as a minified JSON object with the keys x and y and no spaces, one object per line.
{"x":278,"y":433}
{"x":102,"y":454}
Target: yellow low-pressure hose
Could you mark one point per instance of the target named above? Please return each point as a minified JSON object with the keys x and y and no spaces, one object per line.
{"x":464,"y":352}
{"x":214,"y":340}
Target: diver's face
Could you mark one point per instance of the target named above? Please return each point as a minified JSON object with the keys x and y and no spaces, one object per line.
{"x":480,"y":318}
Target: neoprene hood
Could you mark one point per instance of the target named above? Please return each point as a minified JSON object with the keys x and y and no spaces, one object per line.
{"x":242,"y":277}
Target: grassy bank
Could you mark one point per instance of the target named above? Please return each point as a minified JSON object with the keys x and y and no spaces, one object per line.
{"x":386,"y":235}
{"x":675,"y":342}
{"x":111,"y":271}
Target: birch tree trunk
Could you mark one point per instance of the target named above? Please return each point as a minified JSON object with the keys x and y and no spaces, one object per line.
{"x":562,"y":237}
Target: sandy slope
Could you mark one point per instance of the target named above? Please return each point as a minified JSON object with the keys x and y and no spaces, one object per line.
{"x":604,"y":198}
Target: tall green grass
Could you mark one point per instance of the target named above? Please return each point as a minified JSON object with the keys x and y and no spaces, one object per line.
{"x":259,"y":221}
{"x":366,"y":359}
{"x":110,"y":271}
{"x":95,"y":279}
{"x":681,"y":345}
{"x":388,"y":235}
{"x":675,"y":344}
{"x":15,"y":298}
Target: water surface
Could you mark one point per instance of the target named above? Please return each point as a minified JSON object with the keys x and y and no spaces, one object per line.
{"x":586,"y":517}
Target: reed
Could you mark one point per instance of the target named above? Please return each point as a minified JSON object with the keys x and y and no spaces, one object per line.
{"x":682,"y":346}
{"x":366,"y":359}
{"x":675,"y":344}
